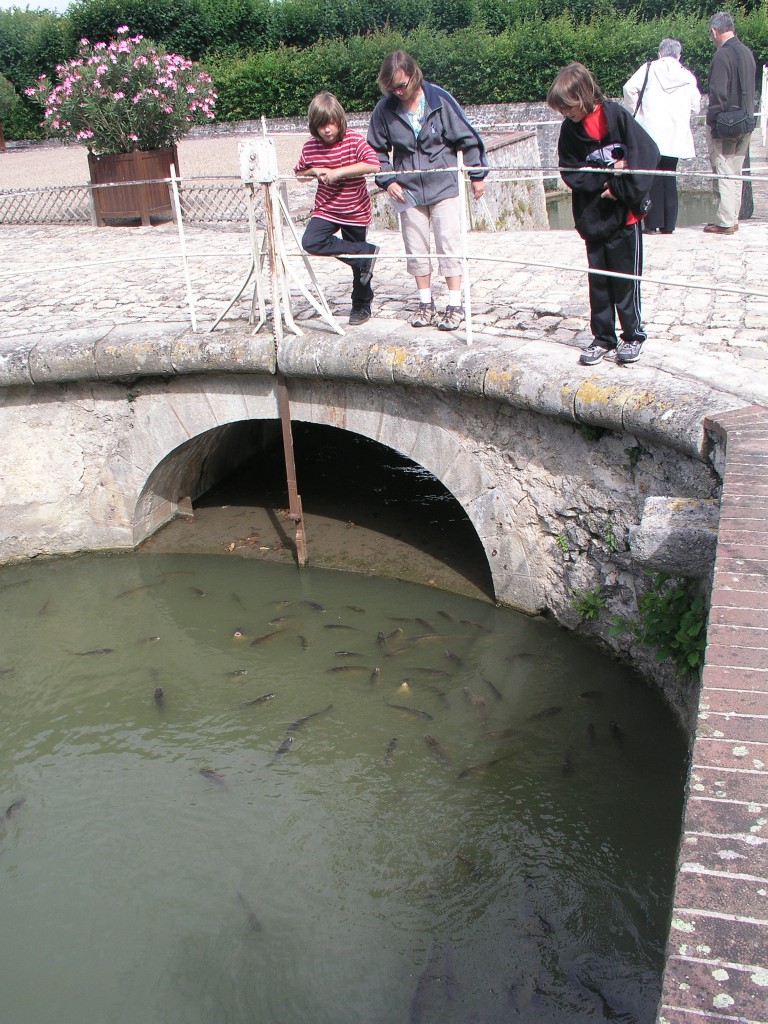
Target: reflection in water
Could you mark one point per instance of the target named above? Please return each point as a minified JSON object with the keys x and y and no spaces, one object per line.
{"x":446,"y":829}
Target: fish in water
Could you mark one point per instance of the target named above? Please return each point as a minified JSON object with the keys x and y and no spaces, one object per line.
{"x":436,"y":988}
{"x":237,"y":599}
{"x":346,"y":654}
{"x":454,"y":658}
{"x":478,"y":769}
{"x":591,"y":695}
{"x":441,"y":695}
{"x":357,"y":610}
{"x":567,"y":765}
{"x":617,"y":733}
{"x":5,"y":671}
{"x":476,"y":625}
{"x":297,"y":724}
{"x":337,"y":625}
{"x":258,"y":700}
{"x":545,"y":713}
{"x":494,"y":689}
{"x":265,"y":638}
{"x":473,"y":699}
{"x":446,"y":615}
{"x":283,"y":749}
{"x":159,"y":696}
{"x":314,"y":605}
{"x":137,"y":590}
{"x":237,"y":672}
{"x":389,"y":752}
{"x":150,"y":639}
{"x":276,"y":621}
{"x":213,"y":775}
{"x":434,"y":673}
{"x":416,"y":712}
{"x":238,"y":631}
{"x":375,"y":675}
{"x":469,"y":866}
{"x":348,"y":670}
{"x":426,"y":626}
{"x":591,"y":734}
{"x":94,"y":650}
{"x":437,"y":748}
{"x":11,"y":810}
{"x":422,"y":638}
{"x":197,"y":591}
{"x":304,"y":643}
{"x":250,"y":914}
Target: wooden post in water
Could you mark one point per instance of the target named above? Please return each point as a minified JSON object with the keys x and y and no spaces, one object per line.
{"x":262,"y":161}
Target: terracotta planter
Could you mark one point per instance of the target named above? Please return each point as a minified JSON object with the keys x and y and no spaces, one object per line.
{"x":149,"y":198}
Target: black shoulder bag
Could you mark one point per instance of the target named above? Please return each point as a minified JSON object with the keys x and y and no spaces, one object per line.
{"x":730,"y":124}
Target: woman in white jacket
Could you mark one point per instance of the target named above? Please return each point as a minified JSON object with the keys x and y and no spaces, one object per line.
{"x":663,"y":95}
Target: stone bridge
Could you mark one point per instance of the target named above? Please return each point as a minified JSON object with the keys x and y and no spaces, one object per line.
{"x":573,"y":477}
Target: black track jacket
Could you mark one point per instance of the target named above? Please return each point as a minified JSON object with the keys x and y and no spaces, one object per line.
{"x":598,"y":219}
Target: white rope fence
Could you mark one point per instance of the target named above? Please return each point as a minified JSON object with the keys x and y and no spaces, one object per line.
{"x":462,"y":173}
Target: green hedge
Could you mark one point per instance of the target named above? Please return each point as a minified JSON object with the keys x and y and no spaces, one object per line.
{"x":474,"y":64}
{"x":502,"y":63}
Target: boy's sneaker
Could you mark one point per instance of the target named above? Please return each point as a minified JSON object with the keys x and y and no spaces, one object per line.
{"x":594,"y":354}
{"x":629,"y":351}
{"x":451,"y":318}
{"x":425,"y":315}
{"x":366,"y":267}
{"x":359,"y":315}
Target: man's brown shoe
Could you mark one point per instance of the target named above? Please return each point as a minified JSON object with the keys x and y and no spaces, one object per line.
{"x":718,"y":229}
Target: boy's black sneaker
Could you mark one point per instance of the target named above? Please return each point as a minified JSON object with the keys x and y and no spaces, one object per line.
{"x":629,"y":351}
{"x":366,"y":267}
{"x":359,"y":315}
{"x":594,"y":354}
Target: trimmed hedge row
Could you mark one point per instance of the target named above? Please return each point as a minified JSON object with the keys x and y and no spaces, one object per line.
{"x":474,"y":64}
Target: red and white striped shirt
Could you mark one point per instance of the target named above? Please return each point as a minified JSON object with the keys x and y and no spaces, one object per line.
{"x":345,"y":201}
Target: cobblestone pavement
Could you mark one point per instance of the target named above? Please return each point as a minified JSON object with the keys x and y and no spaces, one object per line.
{"x":525,"y":285}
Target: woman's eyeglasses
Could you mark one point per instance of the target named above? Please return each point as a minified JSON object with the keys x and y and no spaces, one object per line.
{"x":400,"y":86}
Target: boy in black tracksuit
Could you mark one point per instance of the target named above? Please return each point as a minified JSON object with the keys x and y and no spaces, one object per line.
{"x":607,"y":208}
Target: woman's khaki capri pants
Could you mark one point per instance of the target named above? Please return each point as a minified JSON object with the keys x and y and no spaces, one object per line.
{"x":445,"y":218}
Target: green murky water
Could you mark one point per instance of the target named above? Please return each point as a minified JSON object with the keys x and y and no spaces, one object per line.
{"x":517,"y":866}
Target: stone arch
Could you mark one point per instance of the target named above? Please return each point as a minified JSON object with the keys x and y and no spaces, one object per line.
{"x":191,"y":451}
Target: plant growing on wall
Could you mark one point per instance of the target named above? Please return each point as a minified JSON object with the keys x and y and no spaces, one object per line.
{"x":588,"y":603}
{"x":672,"y":618}
{"x":125,"y":95}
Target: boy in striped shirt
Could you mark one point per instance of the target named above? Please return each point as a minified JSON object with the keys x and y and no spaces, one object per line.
{"x":339,"y":157}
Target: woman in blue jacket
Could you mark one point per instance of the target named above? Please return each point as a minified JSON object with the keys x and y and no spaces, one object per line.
{"x":417,"y":127}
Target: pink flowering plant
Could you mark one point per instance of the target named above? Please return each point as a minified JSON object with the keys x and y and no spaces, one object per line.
{"x":124,"y":95}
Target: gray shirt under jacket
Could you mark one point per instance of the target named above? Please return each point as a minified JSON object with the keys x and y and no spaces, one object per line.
{"x":444,"y":131}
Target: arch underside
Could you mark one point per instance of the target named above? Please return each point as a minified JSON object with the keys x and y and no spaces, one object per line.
{"x":419,"y":427}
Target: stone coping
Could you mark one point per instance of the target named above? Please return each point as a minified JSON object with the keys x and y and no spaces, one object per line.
{"x":537,"y":376}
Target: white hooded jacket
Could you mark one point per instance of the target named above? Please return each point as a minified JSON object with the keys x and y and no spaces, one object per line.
{"x":671,"y":97}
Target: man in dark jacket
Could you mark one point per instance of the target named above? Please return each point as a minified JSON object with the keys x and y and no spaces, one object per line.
{"x":731,"y":85}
